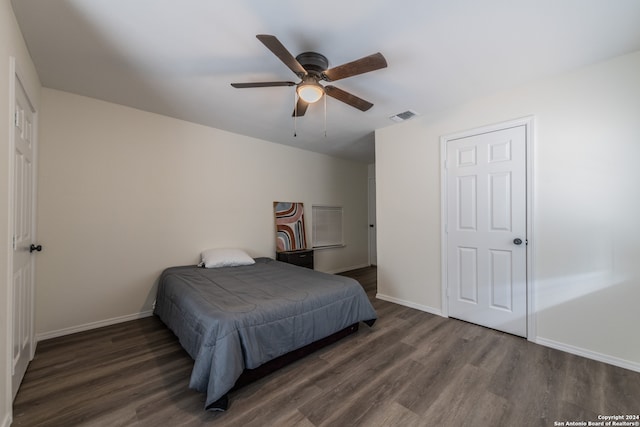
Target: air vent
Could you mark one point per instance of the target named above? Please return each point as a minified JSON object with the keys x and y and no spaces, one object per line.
{"x":401,"y":117}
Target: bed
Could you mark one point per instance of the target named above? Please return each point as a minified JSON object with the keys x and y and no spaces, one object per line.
{"x":237,"y":319}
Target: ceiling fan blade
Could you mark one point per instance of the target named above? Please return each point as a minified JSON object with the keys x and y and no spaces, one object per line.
{"x":347,"y":98}
{"x":353,"y":68}
{"x":301,"y":108}
{"x":261,"y":84}
{"x":278,"y":49}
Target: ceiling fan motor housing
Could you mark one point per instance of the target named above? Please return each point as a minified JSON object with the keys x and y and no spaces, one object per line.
{"x":313,"y":62}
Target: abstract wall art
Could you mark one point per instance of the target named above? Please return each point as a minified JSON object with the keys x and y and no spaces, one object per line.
{"x":290,"y":233}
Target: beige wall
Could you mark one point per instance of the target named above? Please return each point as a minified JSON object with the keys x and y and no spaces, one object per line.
{"x":124,"y":194}
{"x":11,"y":45}
{"x":586,"y":238}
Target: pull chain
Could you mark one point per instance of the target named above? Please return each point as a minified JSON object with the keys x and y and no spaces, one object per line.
{"x":325,"y":116}
{"x":295,"y":114}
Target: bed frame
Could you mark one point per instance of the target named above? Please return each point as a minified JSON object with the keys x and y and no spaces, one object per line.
{"x":250,"y":375}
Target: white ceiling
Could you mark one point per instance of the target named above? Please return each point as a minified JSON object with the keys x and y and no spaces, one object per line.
{"x":178,"y":57}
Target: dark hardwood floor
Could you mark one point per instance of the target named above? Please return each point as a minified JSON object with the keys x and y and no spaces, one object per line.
{"x":411,"y":369}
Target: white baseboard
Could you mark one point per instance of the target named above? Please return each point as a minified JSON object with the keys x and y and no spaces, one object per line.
{"x":6,"y":421}
{"x":342,"y":270}
{"x":578,"y":351}
{"x":410,"y":304}
{"x":92,"y":325}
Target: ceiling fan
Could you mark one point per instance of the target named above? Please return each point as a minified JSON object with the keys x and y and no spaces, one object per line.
{"x":311,"y":68}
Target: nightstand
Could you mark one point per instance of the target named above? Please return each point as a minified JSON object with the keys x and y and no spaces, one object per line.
{"x":302,"y":258}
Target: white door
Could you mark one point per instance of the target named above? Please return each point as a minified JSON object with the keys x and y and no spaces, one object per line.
{"x":486,"y":229}
{"x":373,"y":248}
{"x":23,"y":236}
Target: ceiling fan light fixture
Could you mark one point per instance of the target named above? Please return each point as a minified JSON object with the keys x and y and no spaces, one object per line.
{"x":310,"y":91}
{"x":311,"y":68}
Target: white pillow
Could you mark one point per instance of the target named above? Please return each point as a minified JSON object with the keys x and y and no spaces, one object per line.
{"x":214,"y":258}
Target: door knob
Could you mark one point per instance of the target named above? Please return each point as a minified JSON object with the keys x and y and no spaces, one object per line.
{"x":517,"y":241}
{"x":35,"y":248}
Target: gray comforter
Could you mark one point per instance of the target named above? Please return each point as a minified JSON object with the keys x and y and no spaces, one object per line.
{"x":233,"y":318}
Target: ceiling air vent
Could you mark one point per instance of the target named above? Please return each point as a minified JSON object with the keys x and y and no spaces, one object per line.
{"x":401,"y":117}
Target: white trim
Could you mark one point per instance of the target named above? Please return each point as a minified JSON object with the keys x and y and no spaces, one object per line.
{"x":34,"y":222}
{"x":532,"y":329}
{"x":34,"y":209}
{"x":319,"y":248}
{"x":589,"y":354}
{"x":444,"y":279}
{"x":93,"y":325}
{"x":410,"y":304}
{"x":345,"y":269}
{"x":7,"y":420}
{"x":529,"y":123}
{"x":8,"y":387}
{"x":371,"y":215}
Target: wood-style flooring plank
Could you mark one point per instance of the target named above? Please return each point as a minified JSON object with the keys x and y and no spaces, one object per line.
{"x":410,"y":369}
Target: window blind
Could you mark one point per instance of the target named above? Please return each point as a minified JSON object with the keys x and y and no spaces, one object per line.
{"x":327,"y":226}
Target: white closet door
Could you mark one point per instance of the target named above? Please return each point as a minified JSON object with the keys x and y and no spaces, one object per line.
{"x":486,"y":229}
{"x":23,"y":236}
